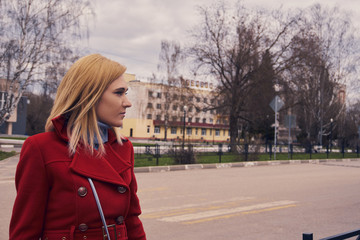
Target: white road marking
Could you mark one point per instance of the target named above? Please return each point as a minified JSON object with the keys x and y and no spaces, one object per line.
{"x":151,"y":210}
{"x":219,"y":212}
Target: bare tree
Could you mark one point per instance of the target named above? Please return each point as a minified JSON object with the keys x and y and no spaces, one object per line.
{"x":352,"y":121}
{"x":319,"y":68}
{"x":36,"y":37}
{"x":173,"y":85}
{"x":229,"y":46}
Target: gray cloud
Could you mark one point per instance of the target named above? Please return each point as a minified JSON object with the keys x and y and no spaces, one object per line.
{"x":130,"y":31}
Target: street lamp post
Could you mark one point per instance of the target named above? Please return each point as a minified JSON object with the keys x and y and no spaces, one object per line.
{"x":183,"y":142}
{"x":331,"y":132}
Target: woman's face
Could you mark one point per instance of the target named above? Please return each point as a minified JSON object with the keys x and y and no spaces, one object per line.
{"x":112,"y":105}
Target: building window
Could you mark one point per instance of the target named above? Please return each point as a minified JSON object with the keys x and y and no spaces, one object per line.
{"x":189,"y":119}
{"x":197,"y":120}
{"x":175,"y":97}
{"x":149,"y":116}
{"x":158,"y":106}
{"x":203,"y":132}
{"x":189,"y":131}
{"x":210,"y":132}
{"x":174,"y":119}
{"x":190,"y":109}
{"x":218,"y":121}
{"x":158,"y":95}
{"x":148,"y":129}
{"x":156,"y":129}
{"x":197,"y":110}
{"x":217,"y":132}
{"x":158,"y":117}
{"x":205,"y":100}
{"x":3,"y":99}
{"x":150,"y":94}
{"x":196,"y":131}
{"x":190,"y":99}
{"x":224,"y":132}
{"x":149,"y":105}
{"x":173,"y":130}
{"x":197,"y":99}
{"x":174,"y":107}
{"x":204,"y":120}
{"x":211,"y":120}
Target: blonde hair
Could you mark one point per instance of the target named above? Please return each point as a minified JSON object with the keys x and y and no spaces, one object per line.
{"x":79,"y":91}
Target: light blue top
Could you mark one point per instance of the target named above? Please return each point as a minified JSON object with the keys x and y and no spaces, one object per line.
{"x":103,"y":128}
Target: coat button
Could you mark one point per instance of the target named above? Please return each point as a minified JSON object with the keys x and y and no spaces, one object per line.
{"x":119,"y":220}
{"x":82,"y":191}
{"x":121,"y":189}
{"x":83,"y":227}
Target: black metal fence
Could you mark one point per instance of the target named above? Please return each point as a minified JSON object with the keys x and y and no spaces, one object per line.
{"x":165,"y":154}
{"x":341,"y":236}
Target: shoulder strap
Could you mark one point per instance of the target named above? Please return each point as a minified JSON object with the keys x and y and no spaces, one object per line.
{"x":99,"y":207}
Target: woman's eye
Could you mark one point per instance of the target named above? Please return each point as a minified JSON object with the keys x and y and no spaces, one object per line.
{"x":120,"y":93}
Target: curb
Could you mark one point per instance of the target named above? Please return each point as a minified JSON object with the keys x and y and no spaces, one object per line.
{"x":236,"y":164}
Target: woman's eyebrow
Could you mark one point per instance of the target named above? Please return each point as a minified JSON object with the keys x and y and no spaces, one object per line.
{"x":121,"y":89}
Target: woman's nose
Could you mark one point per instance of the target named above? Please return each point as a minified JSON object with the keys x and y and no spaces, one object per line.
{"x":127,"y":103}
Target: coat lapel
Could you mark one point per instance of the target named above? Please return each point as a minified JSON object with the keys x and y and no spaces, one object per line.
{"x":99,"y":168}
{"x":107,"y":168}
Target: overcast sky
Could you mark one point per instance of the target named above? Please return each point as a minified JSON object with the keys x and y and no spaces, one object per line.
{"x":130,"y":31}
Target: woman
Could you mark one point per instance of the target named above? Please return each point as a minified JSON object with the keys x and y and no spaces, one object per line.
{"x":81,"y":168}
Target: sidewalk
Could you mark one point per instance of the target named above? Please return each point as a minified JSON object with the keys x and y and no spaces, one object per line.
{"x":8,"y":166}
{"x":348,"y":162}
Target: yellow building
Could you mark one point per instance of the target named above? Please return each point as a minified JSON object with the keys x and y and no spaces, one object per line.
{"x":157,"y":113}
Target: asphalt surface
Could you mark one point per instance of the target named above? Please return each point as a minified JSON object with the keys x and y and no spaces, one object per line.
{"x":251,"y":201}
{"x":273,"y":202}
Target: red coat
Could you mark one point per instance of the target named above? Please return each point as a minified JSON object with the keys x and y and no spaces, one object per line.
{"x":54,"y":198}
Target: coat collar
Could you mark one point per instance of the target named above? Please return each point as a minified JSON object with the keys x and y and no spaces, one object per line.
{"x":107,"y":168}
{"x":60,"y":124}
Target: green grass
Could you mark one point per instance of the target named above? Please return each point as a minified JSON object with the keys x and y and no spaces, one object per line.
{"x":4,"y":155}
{"x":143,"y":144}
{"x":14,"y":138}
{"x":143,"y":160}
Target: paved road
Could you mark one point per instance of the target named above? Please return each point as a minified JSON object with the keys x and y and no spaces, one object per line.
{"x":251,"y":203}
{"x":265,"y":202}
{"x":7,"y":196}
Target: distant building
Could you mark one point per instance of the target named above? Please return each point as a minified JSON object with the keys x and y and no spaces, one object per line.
{"x":16,"y":124}
{"x":157,"y":112}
